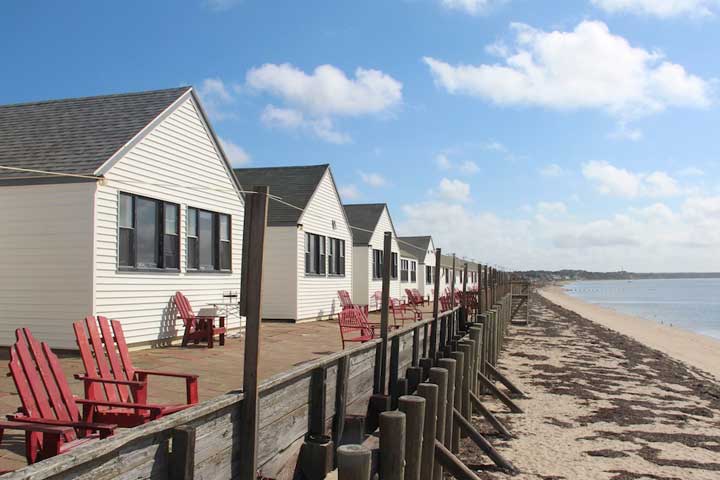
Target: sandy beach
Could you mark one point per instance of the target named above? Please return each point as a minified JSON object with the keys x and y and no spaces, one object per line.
{"x":602,"y":405}
{"x":694,"y":349}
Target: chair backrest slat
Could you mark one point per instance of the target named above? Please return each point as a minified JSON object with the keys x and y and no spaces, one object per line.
{"x":102,"y":368}
{"x":66,"y":395}
{"x":184,"y":308}
{"x":345,"y":299}
{"x":123,"y":349}
{"x":115,"y":364}
{"x":23,"y":385}
{"x":34,"y":380}
{"x":50,"y":380}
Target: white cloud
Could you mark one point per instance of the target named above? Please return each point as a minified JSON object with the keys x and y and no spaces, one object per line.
{"x":317,"y":98}
{"x":443,"y":161}
{"x":454,"y":190}
{"x":586,"y":68}
{"x":473,"y":7}
{"x":552,"y":170}
{"x":290,"y":119}
{"x":349,"y":192}
{"x":327,"y":90}
{"x":468,"y":167}
{"x":215,"y":97}
{"x":660,"y":8}
{"x":611,"y":180}
{"x":373,"y":179}
{"x":552,"y":208}
{"x":235,"y":153}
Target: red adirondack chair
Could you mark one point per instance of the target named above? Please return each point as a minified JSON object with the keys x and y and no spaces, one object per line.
{"x":105,"y":356}
{"x":354,"y":327}
{"x":403,"y":312}
{"x":49,"y":414}
{"x":198,"y":328}
{"x":377,"y":298}
{"x":345,"y":299}
{"x":445,"y":303}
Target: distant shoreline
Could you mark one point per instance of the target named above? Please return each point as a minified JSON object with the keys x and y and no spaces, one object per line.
{"x":695,"y":349}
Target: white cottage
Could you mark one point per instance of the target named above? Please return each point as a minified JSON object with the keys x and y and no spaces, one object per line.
{"x":369,"y":223}
{"x":308,"y":254}
{"x":420,"y":250}
{"x":117,"y":202}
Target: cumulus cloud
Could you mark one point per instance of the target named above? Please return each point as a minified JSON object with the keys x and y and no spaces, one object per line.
{"x":290,"y":119}
{"x":454,"y":190}
{"x":373,"y":179}
{"x":615,"y":181}
{"x":660,"y":8}
{"x":215,"y":97}
{"x":691,"y":172}
{"x":314,"y":100}
{"x":586,"y":68}
{"x":235,"y":153}
{"x":551,"y":208}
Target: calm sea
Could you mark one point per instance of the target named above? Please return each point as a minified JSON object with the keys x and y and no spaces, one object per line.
{"x":692,"y":304}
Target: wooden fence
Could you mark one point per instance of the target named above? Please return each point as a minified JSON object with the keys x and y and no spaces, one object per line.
{"x":202,"y":442}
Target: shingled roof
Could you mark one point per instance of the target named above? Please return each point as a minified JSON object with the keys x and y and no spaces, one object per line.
{"x":295,"y":185}
{"x":417,"y":248}
{"x":75,"y":135}
{"x":365,"y":217}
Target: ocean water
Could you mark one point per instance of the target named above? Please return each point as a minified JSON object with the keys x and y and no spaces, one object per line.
{"x":692,"y":304}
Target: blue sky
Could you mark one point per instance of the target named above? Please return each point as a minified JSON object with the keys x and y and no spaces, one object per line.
{"x":527,"y":134}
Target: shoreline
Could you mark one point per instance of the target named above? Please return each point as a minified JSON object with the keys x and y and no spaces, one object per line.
{"x":697,"y":350}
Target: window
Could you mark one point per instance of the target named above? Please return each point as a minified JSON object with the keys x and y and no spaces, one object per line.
{"x":429,"y":274}
{"x":377,"y":264}
{"x":404,"y":270}
{"x":209,"y":242}
{"x":315,"y":254}
{"x":336,"y":256}
{"x":413,"y":272}
{"x":148,"y":233}
{"x":394,"y":268}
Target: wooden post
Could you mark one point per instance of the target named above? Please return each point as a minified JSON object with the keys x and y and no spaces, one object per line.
{"x":506,"y":381}
{"x":451,"y":365}
{"x":316,"y":416}
{"x":256,"y":206}
{"x":492,"y":419}
{"x":341,"y":387}
{"x":468,"y":349}
{"x":353,"y":462}
{"x":479,"y":291}
{"x":514,"y":408}
{"x":476,"y":336}
{"x":464,"y":318}
{"x":436,"y":308}
{"x":439,"y":376}
{"x":453,"y":443}
{"x":452,"y":299}
{"x":392,"y":445}
{"x":481,"y":442}
{"x":414,"y":409}
{"x":429,"y":392}
{"x":182,"y":457}
{"x":387,"y":263}
{"x":394,"y":373}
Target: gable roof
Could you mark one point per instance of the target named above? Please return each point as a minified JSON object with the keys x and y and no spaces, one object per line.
{"x":364,"y":216}
{"x":77,"y":135}
{"x":417,"y":248}
{"x":294,"y":185}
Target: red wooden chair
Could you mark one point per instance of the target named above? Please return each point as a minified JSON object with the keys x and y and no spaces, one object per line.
{"x":445,"y":303}
{"x":354,"y":327}
{"x":377,"y":298}
{"x":403,"y":312}
{"x":49,"y":414}
{"x":419,"y":296}
{"x":198,"y":328}
{"x":105,"y":356}
{"x":345,"y":299}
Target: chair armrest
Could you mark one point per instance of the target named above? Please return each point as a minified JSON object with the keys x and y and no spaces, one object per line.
{"x":132,"y":383}
{"x":135,"y":406}
{"x":107,"y":427}
{"x":166,"y":374}
{"x":34,"y":427}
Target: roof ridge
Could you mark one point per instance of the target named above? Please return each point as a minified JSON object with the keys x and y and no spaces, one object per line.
{"x":283,"y":167}
{"x":89,"y":97}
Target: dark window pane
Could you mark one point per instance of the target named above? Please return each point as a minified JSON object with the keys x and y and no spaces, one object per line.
{"x":171,"y":219}
{"x":192,"y":253}
{"x":171,"y":254}
{"x":224,"y":228}
{"x":192,"y":222}
{"x":206,"y":236}
{"x":225,"y":261}
{"x":125,"y":216}
{"x":125,"y":247}
{"x":146,"y":227}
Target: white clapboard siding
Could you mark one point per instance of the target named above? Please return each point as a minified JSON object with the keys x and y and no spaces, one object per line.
{"x":429,"y":260}
{"x":409,"y":284}
{"x":377,"y":242}
{"x":362,"y":258}
{"x":279,"y":301}
{"x":323,"y":215}
{"x":176,"y":162}
{"x":46,"y":258}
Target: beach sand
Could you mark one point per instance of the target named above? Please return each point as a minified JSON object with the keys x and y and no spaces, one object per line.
{"x":601,"y":406}
{"x":694,"y":349}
